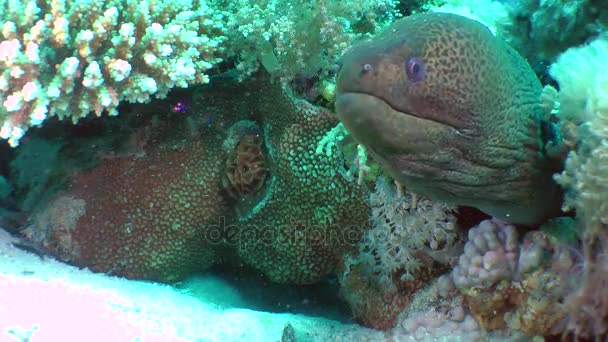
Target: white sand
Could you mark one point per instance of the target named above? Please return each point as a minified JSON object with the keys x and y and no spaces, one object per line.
{"x":49,"y":301}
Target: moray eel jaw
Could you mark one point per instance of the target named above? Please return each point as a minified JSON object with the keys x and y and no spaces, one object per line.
{"x":407,"y":146}
{"x":426,"y":156}
{"x":375,"y":123}
{"x":418,"y":152}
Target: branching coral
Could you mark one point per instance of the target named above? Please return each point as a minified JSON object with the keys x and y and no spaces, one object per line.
{"x":70,"y":58}
{"x":290,"y":38}
{"x":583,"y":78}
{"x":405,"y":233}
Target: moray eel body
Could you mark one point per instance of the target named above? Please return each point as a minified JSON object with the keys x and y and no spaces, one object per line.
{"x":453,"y":113}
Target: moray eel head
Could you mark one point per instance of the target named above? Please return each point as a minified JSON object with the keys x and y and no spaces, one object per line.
{"x":452,"y":112}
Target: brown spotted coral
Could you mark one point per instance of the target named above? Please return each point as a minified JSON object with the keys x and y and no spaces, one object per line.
{"x":138,"y":217}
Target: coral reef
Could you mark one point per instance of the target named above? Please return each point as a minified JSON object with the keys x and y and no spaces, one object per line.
{"x":374,"y":305}
{"x":408,"y":242}
{"x":541,"y":30}
{"x":68,"y":58}
{"x":276,"y":160}
{"x":538,"y":30}
{"x":508,"y":283}
{"x":583,"y":100}
{"x":535,"y":303}
{"x":313,"y":211}
{"x":142,"y":217}
{"x":490,"y":255}
{"x":587,"y":305}
{"x":298,"y":37}
{"x":433,"y":326}
{"x":485,"y":269}
{"x":295,"y":226}
{"x":249,"y":173}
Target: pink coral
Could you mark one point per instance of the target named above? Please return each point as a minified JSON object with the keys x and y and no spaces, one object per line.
{"x":489,"y":256}
{"x":587,"y":306}
{"x":508,"y":284}
{"x":433,"y":325}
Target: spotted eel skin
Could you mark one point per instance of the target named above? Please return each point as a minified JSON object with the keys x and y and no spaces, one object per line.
{"x":453,"y":113}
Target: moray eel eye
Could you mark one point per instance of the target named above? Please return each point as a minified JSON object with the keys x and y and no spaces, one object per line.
{"x":366,"y":68}
{"x":414,"y":69}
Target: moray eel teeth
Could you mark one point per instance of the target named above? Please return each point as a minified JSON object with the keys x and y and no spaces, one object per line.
{"x":452,"y":112}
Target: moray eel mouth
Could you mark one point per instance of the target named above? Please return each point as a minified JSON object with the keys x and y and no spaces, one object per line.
{"x":394,"y":136}
{"x":376,"y":122}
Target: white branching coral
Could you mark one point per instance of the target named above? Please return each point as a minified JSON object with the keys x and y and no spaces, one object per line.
{"x":583,"y":78}
{"x":69,"y":58}
{"x":405,"y":230}
{"x":582,"y":74}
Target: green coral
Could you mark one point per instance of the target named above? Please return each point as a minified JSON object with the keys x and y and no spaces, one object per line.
{"x":563,"y":229}
{"x":311,"y":212}
{"x":290,"y":38}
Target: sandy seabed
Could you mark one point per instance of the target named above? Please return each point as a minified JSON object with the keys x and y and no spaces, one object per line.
{"x":42,"y":299}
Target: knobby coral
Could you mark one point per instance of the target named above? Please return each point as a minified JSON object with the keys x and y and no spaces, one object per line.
{"x":310,"y":211}
{"x":489,"y":256}
{"x":508,"y":283}
{"x":138,"y":217}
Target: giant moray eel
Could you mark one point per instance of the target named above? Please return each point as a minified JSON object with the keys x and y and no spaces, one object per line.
{"x":453,"y":113}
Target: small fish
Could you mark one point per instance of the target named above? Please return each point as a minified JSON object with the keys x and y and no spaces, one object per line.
{"x":181,"y":106}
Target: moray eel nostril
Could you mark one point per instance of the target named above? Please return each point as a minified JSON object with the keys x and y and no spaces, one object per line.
{"x":452,"y":112}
